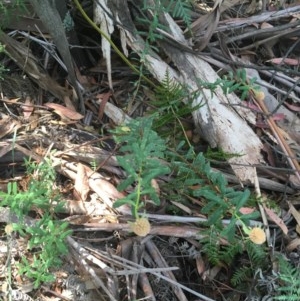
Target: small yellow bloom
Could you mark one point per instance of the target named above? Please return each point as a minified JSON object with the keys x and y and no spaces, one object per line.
{"x":257,"y":235}
{"x":9,"y":229}
{"x":141,"y":226}
{"x":259,"y":95}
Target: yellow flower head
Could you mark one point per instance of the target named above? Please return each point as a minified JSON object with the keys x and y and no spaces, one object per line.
{"x":257,"y":235}
{"x":141,"y":226}
{"x":9,"y":229}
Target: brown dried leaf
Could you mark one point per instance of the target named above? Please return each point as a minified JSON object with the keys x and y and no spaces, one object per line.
{"x":285,"y":60}
{"x":246,"y":210}
{"x":104,"y":97}
{"x":265,"y":25}
{"x":27,"y":108}
{"x":293,"y":245}
{"x":211,"y":274}
{"x":155,"y":185}
{"x":64,"y":112}
{"x":7,"y":126}
{"x":276,"y":219}
{"x":294,"y":212}
{"x":200,"y":265}
{"x":75,"y":207}
{"x":182,"y":207}
{"x":81,"y":187}
{"x":292,"y":107}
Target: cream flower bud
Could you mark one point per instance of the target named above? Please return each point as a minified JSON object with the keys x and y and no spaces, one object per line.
{"x":257,"y":235}
{"x":141,"y":226}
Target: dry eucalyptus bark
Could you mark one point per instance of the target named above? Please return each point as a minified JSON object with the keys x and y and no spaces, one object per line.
{"x":27,"y":62}
{"x":220,"y":122}
{"x":49,"y":14}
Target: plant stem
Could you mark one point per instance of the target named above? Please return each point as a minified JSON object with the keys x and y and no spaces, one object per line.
{"x":138,"y":197}
{"x":122,"y":56}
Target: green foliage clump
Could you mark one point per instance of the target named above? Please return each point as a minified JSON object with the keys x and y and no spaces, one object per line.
{"x":242,"y":275}
{"x":143,"y":151}
{"x":289,"y":281}
{"x":233,"y":82}
{"x":151,"y":18}
{"x":151,"y":35}
{"x":2,"y":68}
{"x":176,"y":8}
{"x":46,"y":236}
{"x":218,"y":154}
{"x":216,"y":253}
{"x":195,"y":177}
{"x":40,"y":193}
{"x":172,"y":101}
{"x":256,"y":260}
{"x":8,"y":10}
{"x":68,"y":22}
{"x":257,"y":255}
{"x":145,"y":156}
{"x":179,"y":9}
{"x":252,"y":255}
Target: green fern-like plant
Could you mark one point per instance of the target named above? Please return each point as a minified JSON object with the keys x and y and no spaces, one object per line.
{"x":241,"y":275}
{"x":179,"y":9}
{"x":152,"y":23}
{"x":219,"y":155}
{"x":219,"y":254}
{"x":289,"y":281}
{"x":256,"y":254}
{"x":252,"y":255}
{"x":195,"y":177}
{"x":171,"y":103}
{"x":233,"y":82}
{"x":211,"y":247}
{"x":142,"y":154}
{"x":46,"y":238}
{"x":40,"y":193}
{"x":228,"y":253}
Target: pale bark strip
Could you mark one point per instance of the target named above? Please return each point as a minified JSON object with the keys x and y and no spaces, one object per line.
{"x":106,"y":25}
